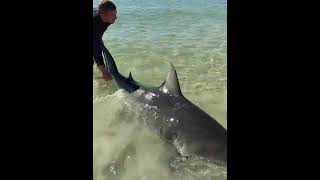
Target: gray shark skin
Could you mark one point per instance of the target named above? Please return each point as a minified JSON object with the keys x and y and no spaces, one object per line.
{"x":192,"y":131}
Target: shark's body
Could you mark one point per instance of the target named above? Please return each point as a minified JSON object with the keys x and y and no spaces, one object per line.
{"x":192,"y":131}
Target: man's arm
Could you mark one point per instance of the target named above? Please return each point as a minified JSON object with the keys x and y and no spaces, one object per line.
{"x":97,"y":54}
{"x":108,"y":56}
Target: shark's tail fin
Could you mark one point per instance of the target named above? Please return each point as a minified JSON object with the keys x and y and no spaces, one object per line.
{"x":122,"y":82}
{"x":111,"y":65}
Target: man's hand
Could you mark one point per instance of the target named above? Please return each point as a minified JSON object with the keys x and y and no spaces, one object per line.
{"x":104,"y":73}
{"x":106,"y":76}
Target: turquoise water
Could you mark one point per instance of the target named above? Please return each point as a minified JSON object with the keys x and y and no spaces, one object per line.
{"x":190,"y":34}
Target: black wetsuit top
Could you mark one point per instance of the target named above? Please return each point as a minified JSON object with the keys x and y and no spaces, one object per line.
{"x":99,"y":28}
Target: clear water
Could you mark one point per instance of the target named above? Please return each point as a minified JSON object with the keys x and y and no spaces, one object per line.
{"x":190,"y":34}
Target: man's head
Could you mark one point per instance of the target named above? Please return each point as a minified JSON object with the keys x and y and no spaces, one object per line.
{"x":107,"y":11}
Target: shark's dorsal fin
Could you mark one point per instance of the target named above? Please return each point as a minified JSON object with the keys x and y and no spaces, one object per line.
{"x":171,"y":85}
{"x":130,"y":77}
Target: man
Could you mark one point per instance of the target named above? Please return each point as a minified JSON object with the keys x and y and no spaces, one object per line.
{"x":105,"y":15}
